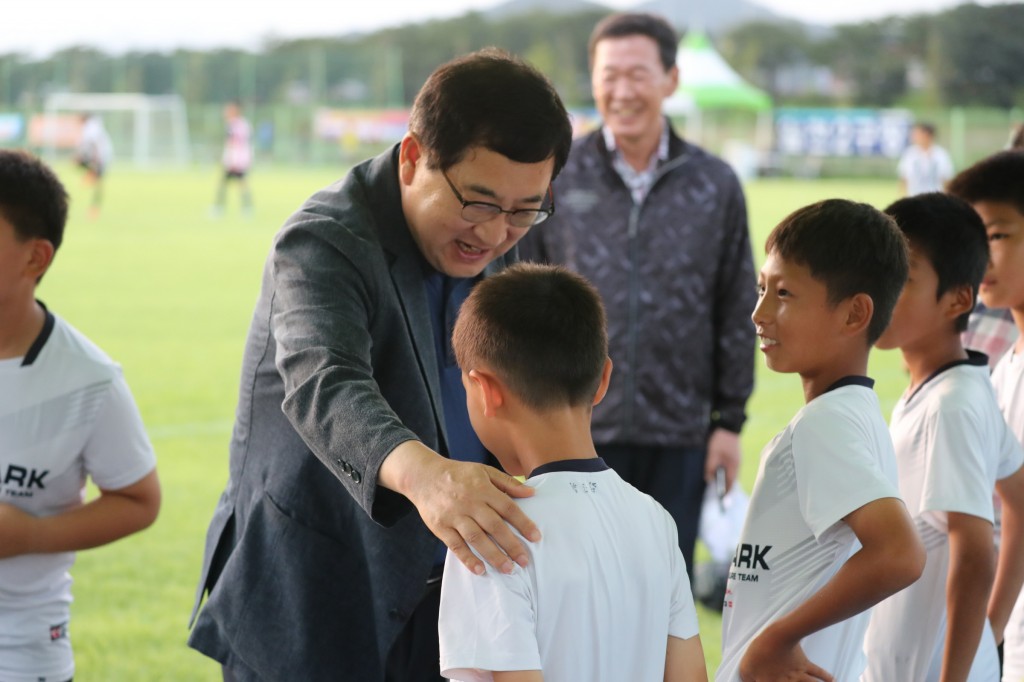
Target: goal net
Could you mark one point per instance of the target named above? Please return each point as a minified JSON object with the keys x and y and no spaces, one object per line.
{"x":144,"y":129}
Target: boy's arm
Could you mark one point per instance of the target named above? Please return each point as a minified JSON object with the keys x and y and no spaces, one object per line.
{"x":972,"y":566}
{"x":111,"y":516}
{"x":891,"y":557}
{"x":684,"y":660}
{"x":1010,"y":567}
{"x":518,"y":676}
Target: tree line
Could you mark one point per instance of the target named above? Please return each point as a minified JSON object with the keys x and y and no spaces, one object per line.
{"x":969,"y":55}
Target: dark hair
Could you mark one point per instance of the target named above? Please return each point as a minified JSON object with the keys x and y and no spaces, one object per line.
{"x":852,"y":248}
{"x":951,"y":235}
{"x":627,"y":24}
{"x":493,"y":100}
{"x":999,"y":177}
{"x":540,"y":329}
{"x":32,"y":199}
{"x":926,"y":127}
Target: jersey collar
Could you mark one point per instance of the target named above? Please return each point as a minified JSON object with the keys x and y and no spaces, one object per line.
{"x":591,"y":465}
{"x":44,"y":335}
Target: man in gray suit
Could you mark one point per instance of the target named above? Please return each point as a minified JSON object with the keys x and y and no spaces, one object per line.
{"x":352,"y":451}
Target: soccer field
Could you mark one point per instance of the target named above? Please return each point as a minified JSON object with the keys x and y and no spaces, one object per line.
{"x":168,"y":291}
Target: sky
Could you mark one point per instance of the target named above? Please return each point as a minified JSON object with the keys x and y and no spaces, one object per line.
{"x":39,"y":27}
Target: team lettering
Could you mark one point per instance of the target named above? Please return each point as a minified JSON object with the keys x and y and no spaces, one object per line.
{"x":24,"y":478}
{"x":751,"y":556}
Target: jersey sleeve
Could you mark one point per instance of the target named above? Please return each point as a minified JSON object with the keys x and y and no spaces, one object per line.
{"x":682,"y":617}
{"x":486,"y":623}
{"x":118,"y":452}
{"x":837,"y":471}
{"x":955,"y":478}
{"x":1011,"y":455}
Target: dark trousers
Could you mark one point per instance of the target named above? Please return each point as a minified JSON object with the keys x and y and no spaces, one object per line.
{"x":672,"y":476}
{"x":415,"y":656}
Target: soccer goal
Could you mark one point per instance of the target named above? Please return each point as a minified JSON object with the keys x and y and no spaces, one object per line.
{"x":145,"y":129}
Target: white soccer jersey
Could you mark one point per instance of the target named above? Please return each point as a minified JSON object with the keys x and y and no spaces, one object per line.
{"x":952,"y":445}
{"x":834,"y":457}
{"x":1008,"y":380}
{"x":604,"y":589}
{"x":925,"y":170}
{"x":65,"y":413}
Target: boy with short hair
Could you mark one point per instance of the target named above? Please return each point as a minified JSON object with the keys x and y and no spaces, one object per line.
{"x":953,"y":449}
{"x":995,"y":189}
{"x":605,"y":595}
{"x":65,"y":413}
{"x":826,"y":535}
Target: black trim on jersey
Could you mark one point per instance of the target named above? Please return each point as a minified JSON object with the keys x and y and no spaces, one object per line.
{"x":44,"y":335}
{"x":852,"y":380}
{"x":590,"y":465}
{"x":974,"y":358}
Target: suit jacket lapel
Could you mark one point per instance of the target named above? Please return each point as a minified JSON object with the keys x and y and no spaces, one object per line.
{"x":406,"y":271}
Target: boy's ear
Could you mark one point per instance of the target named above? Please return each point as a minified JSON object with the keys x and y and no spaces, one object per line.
{"x":492,"y":392}
{"x":961,"y":300}
{"x":40,"y":258}
{"x":606,"y":376}
{"x":859,"y":310}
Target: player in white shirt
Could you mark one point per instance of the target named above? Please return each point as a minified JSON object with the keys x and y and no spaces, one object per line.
{"x":924,"y":165}
{"x":826,"y":536}
{"x":995,"y":189}
{"x":605,"y":596}
{"x":953,"y":450}
{"x":65,"y":414}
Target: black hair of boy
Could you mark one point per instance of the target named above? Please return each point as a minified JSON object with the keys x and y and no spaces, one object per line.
{"x":493,"y":100}
{"x":628,"y":24}
{"x":998,"y":178}
{"x":852,"y":248}
{"x":32,"y":198}
{"x":951,"y":235}
{"x":540,"y":329}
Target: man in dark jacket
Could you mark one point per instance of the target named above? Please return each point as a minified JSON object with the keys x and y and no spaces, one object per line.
{"x":660,"y":227}
{"x":351,"y":412}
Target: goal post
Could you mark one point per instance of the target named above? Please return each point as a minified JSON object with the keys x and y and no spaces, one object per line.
{"x":145,"y":129}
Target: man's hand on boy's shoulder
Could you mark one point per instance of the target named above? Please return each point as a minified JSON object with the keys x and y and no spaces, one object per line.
{"x":770,"y":660}
{"x":14,"y":531}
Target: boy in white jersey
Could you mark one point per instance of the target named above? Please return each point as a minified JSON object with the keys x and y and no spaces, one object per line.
{"x":605,"y":596}
{"x":995,"y":189}
{"x":65,"y":413}
{"x":952,"y":449}
{"x":826,"y":535}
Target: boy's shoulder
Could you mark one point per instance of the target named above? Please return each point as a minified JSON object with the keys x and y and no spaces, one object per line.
{"x":70,"y":355}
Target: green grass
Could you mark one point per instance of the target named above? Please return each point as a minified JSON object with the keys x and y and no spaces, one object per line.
{"x":168,"y":292}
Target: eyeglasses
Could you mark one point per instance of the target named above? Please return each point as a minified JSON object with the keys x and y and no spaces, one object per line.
{"x":482,"y":211}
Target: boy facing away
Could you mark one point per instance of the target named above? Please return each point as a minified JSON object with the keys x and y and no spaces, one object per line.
{"x":952,"y":449}
{"x":605,"y":596}
{"x":826,"y":535}
{"x":65,"y":413}
{"x":995,"y":189}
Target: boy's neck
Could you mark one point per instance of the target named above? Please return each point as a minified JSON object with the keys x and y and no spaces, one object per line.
{"x":20,"y":325}
{"x":852,"y":363}
{"x":940,"y":350}
{"x":552,"y":436}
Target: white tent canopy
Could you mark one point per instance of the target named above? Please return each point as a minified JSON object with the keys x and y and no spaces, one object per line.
{"x":706,"y":81}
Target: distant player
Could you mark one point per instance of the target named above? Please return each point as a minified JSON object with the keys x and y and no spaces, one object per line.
{"x":924,"y":166}
{"x":94,"y":153}
{"x":236,"y":158}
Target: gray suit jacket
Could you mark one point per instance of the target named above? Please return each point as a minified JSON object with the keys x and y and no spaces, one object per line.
{"x":310,"y":567}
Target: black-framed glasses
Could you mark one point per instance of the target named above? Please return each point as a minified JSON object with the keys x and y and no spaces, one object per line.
{"x":482,"y":211}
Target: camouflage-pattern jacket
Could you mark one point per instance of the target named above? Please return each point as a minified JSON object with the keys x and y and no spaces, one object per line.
{"x":677,"y":279}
